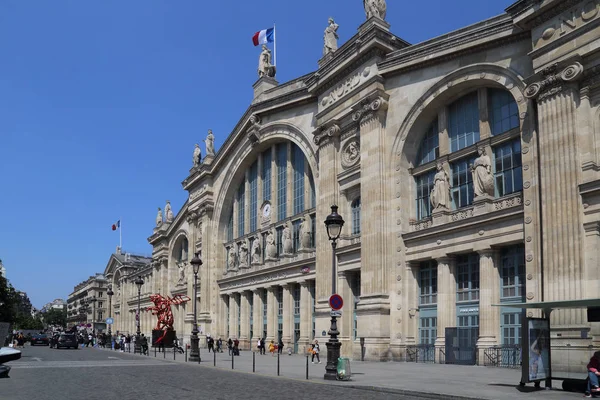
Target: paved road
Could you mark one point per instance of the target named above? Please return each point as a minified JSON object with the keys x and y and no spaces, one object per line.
{"x":50,"y":374}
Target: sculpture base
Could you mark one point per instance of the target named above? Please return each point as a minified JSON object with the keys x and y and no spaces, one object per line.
{"x":167,"y":341}
{"x":263,"y":84}
{"x":4,"y":370}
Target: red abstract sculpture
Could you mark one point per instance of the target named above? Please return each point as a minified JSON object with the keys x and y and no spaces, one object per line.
{"x":162,"y":310}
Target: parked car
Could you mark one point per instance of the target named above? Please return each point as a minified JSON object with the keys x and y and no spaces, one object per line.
{"x":40,"y":338}
{"x":68,"y":340}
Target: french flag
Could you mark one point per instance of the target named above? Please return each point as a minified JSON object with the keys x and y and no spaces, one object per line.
{"x":263,"y":37}
{"x":116,"y":225}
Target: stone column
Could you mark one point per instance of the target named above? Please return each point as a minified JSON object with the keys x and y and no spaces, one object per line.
{"x":305,"y":317}
{"x":208,"y":290}
{"x":290,"y":183}
{"x":274,"y":204}
{"x":288,"y":315}
{"x":271,"y":314}
{"x":247,"y":201}
{"x":259,"y":186}
{"x":485,"y":130}
{"x":443,"y":138}
{"x":557,"y":95}
{"x":446,"y":299}
{"x":411,"y":300}
{"x":258,"y":316}
{"x":346,"y":322}
{"x":489,"y":293}
{"x":374,"y":307}
{"x":245,"y":320}
{"x":222,"y":316}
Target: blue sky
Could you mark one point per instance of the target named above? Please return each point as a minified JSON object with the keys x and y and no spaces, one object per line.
{"x":101,"y":103}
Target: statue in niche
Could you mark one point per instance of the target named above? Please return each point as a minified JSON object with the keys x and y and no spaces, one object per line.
{"x":305,"y":233}
{"x":159,"y":217}
{"x":481,"y":169}
{"x":197,"y":155}
{"x":181,"y":266}
{"x":169,"y":213}
{"x":440,"y":194}
{"x":271,"y":247}
{"x":256,"y":251}
{"x":286,"y":238}
{"x":243,"y":255}
{"x":231,"y":262}
{"x":375,"y":8}
{"x":265,"y":67}
{"x":331,"y":37}
{"x":210,"y":143}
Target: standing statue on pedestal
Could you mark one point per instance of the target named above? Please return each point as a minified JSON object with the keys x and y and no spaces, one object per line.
{"x":231,"y":259}
{"x":197,"y":155}
{"x":286,"y":238}
{"x":159,"y":217}
{"x":169,"y":213}
{"x":331,"y":37}
{"x":265,"y":67}
{"x":243,"y":255}
{"x":210,"y":143}
{"x":305,"y":234}
{"x":481,"y":169}
{"x":375,"y":8}
{"x":440,"y":194}
{"x":256,"y":251}
{"x":271,"y":248}
{"x":181,"y":280}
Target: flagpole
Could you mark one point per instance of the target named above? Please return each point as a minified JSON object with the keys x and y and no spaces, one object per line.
{"x":120,"y":238}
{"x":274,"y":45}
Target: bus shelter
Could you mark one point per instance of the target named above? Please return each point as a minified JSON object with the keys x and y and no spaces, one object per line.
{"x":536,"y":342}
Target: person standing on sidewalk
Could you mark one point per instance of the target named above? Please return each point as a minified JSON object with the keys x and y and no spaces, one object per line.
{"x":280,"y":346}
{"x":211,"y":344}
{"x":220,"y":345}
{"x":315,"y":351}
{"x":144,"y":344}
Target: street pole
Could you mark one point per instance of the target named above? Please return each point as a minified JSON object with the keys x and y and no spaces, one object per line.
{"x":138,"y":347}
{"x":110,"y":293}
{"x":334,"y":223}
{"x":195,"y":348}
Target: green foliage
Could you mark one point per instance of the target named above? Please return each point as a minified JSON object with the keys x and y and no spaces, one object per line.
{"x":28,"y":322}
{"x":56,"y":317}
{"x":9,"y":302}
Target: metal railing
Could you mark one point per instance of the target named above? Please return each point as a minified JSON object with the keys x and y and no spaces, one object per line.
{"x":504,"y":356}
{"x":420,"y":353}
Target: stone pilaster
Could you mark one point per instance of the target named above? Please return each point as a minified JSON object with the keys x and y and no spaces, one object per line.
{"x":485,"y":130}
{"x":233,"y":318}
{"x":223,"y":327}
{"x":258,"y":316}
{"x":246,"y":184}
{"x":274,"y":203}
{"x":207,"y":283}
{"x":271,"y":314}
{"x":446,"y":298}
{"x":346,"y":321}
{"x":411,"y":301}
{"x":290,"y":183}
{"x":374,"y":308}
{"x":489,"y":293}
{"x":305,"y":316}
{"x":557,"y":95}
{"x":245,"y":320}
{"x":288,"y":315}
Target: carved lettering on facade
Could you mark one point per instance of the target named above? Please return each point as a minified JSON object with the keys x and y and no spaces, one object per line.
{"x":567,"y":22}
{"x":345,"y":87}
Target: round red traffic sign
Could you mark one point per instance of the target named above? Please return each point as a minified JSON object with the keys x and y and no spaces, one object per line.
{"x":336,"y":302}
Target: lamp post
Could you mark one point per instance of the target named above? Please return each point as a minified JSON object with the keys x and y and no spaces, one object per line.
{"x":110,"y":293}
{"x":138,"y":347}
{"x":93,"y":301}
{"x":333,"y":223}
{"x":195,"y":350}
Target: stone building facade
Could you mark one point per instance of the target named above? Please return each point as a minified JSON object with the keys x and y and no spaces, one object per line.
{"x":88,"y":304}
{"x":466,"y":168}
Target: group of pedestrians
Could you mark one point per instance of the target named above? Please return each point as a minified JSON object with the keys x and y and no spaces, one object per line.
{"x":214,"y":346}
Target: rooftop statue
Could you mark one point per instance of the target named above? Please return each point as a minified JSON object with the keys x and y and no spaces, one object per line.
{"x":375,"y":8}
{"x":331,"y":37}
{"x":210,"y":143}
{"x":265,"y":66}
{"x":197,"y":155}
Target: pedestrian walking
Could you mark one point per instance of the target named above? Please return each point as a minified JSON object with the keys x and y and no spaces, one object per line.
{"x":315,"y":351}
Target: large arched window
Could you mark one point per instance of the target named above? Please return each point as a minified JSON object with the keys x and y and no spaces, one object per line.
{"x":181,"y":249}
{"x":280,"y":175}
{"x":464,"y":133}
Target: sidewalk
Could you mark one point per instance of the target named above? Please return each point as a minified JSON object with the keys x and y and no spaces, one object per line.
{"x":440,"y":381}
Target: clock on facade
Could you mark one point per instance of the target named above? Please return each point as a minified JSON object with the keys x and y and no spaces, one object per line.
{"x":267,"y":210}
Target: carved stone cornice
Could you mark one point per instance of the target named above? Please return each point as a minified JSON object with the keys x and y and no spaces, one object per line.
{"x":554,"y":80}
{"x":368,"y":109}
{"x":324,"y":134}
{"x":192,"y":217}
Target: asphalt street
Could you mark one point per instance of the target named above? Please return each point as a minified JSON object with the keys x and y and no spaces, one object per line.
{"x":49,"y":374}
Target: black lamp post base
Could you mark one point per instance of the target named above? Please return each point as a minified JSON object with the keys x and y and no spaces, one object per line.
{"x":137,"y":349}
{"x":194,"y":347}
{"x":333,"y":353}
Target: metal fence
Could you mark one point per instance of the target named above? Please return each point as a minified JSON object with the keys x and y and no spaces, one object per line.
{"x":504,"y":356}
{"x":421,"y":353}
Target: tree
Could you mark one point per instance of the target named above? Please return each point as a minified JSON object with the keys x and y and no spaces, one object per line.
{"x":56,"y":316}
{"x":8,"y":302}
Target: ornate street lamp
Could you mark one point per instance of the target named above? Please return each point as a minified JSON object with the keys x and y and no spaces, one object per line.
{"x":195,"y":350}
{"x":333,"y":223}
{"x":138,"y":347}
{"x":110,"y":293}
{"x":93,"y":301}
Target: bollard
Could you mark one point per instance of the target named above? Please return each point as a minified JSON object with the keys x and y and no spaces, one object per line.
{"x":253,"y":361}
{"x":185,"y":353}
{"x":174,"y":348}
{"x":154,"y":351}
{"x":307,"y":367}
{"x":214,"y":359}
{"x":278,"y":363}
{"x":164,"y":352}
